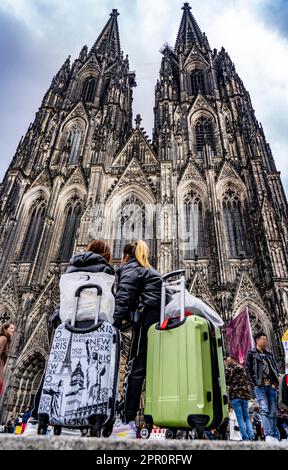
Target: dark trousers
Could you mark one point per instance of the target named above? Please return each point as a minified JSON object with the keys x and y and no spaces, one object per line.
{"x":258,"y":433}
{"x":135,"y":369}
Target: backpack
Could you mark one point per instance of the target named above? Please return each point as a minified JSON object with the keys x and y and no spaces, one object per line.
{"x":70,"y":282}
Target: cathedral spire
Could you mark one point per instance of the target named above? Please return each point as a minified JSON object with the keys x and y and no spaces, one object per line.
{"x":189,"y":32}
{"x":108,"y":43}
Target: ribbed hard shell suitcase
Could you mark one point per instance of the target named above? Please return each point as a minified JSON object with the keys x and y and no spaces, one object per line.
{"x":185,"y":382}
{"x":81,"y":378}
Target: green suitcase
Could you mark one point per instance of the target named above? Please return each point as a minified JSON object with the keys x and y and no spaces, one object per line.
{"x":185,"y":382}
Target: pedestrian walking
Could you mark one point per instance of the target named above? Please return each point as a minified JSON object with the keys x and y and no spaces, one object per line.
{"x":263,"y":375}
{"x":239,"y":395}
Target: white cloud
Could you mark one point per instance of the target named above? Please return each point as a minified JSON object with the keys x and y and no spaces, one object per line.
{"x":260,"y":54}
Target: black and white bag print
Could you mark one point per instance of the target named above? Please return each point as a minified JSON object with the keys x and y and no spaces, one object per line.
{"x":81,"y":376}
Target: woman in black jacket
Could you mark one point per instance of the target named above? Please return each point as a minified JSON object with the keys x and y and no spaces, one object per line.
{"x":96,"y":259}
{"x":139,"y":291}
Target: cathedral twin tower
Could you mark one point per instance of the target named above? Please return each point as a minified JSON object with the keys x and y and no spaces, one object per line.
{"x":205,"y":193}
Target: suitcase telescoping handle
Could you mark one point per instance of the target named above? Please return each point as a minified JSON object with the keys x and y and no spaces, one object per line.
{"x":77,"y":297}
{"x":173,"y":273}
{"x":178,"y":285}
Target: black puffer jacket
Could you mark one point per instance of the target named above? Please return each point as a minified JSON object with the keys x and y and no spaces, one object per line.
{"x":138,"y":287}
{"x":89,"y":262}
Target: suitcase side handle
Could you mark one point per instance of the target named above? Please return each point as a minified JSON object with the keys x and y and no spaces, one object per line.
{"x":77,"y":297}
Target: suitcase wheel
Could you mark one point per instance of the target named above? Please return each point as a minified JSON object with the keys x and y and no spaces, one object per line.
{"x":106,"y":432}
{"x":42,"y":429}
{"x":199,"y":433}
{"x":95,"y":431}
{"x":144,"y":433}
{"x":57,"y":430}
{"x":171,"y":434}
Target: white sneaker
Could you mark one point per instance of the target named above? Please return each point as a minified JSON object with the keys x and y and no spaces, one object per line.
{"x":271,"y":439}
{"x":31,"y":427}
{"x":70,"y":432}
{"x":124,"y":431}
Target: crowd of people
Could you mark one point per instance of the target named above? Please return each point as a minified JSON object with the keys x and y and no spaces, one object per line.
{"x":18,"y":424}
{"x":256,"y":383}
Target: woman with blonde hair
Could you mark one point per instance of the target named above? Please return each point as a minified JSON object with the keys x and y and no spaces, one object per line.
{"x":139,"y":291}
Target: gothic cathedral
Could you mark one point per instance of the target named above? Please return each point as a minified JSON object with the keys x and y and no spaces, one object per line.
{"x":204,"y":193}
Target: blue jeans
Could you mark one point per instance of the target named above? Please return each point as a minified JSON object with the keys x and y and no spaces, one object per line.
{"x":267,"y":400}
{"x":240,"y":406}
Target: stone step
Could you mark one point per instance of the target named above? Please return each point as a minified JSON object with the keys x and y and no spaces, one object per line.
{"x":18,"y":442}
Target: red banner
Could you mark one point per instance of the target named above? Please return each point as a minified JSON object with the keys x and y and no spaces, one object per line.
{"x":239,"y":336}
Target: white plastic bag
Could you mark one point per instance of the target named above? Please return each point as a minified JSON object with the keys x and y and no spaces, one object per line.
{"x":87,"y":302}
{"x":194,"y":305}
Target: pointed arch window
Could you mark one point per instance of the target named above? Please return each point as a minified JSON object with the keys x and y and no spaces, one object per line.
{"x":198,"y":82}
{"x":72,"y":221}
{"x":236,"y":240}
{"x":194,"y":244}
{"x":129,"y":225}
{"x":204,"y":135}
{"x":34,"y":230}
{"x":73,"y":143}
{"x":88,"y":91}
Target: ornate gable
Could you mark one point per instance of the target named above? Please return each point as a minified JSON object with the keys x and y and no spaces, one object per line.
{"x":43,"y":179}
{"x":201,"y":103}
{"x":191,"y":173}
{"x":91,"y":63}
{"x":77,"y":177}
{"x":246,"y":290}
{"x":38,"y":341}
{"x":227,"y":171}
{"x":195,"y":55}
{"x":128,"y":148}
{"x":200,"y":289}
{"x":9,"y":292}
{"x":133,"y":175}
{"x":77,"y":111}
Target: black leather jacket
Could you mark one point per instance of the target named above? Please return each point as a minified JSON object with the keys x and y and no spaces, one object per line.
{"x":138,"y":289}
{"x":89,"y":262}
{"x":254,"y":367}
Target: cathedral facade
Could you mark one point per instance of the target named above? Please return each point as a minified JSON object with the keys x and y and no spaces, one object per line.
{"x":204,"y":193}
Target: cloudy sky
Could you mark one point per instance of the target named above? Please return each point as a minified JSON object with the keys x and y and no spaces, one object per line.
{"x":36,"y":36}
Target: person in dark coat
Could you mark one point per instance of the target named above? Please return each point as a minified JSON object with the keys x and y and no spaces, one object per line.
{"x":139,"y":292}
{"x":263,"y":375}
{"x":96,"y":259}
